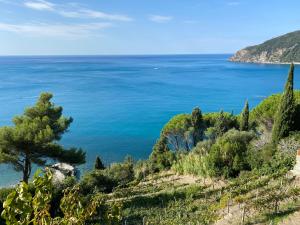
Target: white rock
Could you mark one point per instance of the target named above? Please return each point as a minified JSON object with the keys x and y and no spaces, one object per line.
{"x":62,"y":170}
{"x":296,"y":170}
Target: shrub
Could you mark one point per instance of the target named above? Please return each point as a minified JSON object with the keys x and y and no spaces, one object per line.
{"x":203,"y":147}
{"x":227,"y":156}
{"x":96,"y":181}
{"x":280,"y":162}
{"x":143,"y":168}
{"x":4,"y":192}
{"x":117,"y":174}
{"x":192,"y":163}
{"x":120,"y":173}
{"x":256,"y":157}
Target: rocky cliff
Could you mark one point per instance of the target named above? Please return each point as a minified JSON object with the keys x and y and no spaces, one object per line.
{"x":282,"y":49}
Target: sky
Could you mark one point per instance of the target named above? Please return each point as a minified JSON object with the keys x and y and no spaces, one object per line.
{"x":96,"y":27}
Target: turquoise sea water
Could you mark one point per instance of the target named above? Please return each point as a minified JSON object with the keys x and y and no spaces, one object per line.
{"x":120,"y":103}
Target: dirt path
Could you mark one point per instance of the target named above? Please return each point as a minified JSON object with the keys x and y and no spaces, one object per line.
{"x":169,"y":177}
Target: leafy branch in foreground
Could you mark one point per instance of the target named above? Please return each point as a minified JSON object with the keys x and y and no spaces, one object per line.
{"x":21,"y":207}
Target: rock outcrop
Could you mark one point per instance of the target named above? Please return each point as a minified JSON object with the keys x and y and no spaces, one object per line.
{"x":62,"y":170}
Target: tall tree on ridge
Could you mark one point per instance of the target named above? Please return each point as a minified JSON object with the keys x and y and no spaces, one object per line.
{"x":98,"y":164}
{"x":161,"y":154}
{"x":244,"y":122}
{"x":197,"y":124}
{"x":285,"y":116}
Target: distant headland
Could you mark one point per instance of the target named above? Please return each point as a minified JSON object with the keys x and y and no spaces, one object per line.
{"x":280,"y":50}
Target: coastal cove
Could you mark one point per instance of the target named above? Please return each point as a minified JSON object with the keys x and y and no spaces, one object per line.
{"x":120,"y":103}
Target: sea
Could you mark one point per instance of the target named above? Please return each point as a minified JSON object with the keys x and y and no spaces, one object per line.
{"x":120,"y":103}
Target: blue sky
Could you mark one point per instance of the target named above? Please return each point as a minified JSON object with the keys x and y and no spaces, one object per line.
{"x":42,"y":27}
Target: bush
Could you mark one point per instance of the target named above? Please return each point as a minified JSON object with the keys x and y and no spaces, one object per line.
{"x":280,"y":162}
{"x":4,"y":192}
{"x":203,"y":147}
{"x":96,"y":181}
{"x":142,"y":169}
{"x":192,"y":163}
{"x":23,"y":207}
{"x":259,"y":156}
{"x":120,"y":173}
{"x":58,"y":193}
{"x":227,"y":156}
{"x":117,"y":174}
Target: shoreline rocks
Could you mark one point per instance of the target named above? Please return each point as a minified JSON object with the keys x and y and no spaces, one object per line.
{"x":284,"y":49}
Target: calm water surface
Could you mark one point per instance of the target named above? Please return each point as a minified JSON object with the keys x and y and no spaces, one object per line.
{"x":120,"y":103}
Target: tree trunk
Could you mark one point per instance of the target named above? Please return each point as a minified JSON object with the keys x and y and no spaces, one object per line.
{"x":187,"y":145}
{"x":194,"y":139}
{"x":26,"y":169}
{"x":177,"y":144}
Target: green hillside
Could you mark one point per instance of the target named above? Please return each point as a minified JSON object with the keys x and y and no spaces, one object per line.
{"x":282,"y":49}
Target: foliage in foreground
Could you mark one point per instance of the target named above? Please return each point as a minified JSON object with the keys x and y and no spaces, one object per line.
{"x":21,"y":207}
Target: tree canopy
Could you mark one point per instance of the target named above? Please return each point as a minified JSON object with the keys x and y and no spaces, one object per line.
{"x":175,"y":131}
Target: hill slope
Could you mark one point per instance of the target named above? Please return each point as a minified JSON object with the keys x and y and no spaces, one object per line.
{"x":282,"y":49}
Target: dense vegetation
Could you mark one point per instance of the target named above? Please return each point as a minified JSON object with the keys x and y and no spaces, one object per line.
{"x":202,"y":167}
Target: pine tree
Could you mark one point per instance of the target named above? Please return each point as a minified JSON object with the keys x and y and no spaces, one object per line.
{"x":197,"y":124}
{"x":221,"y":125}
{"x":285,"y":116}
{"x":33,"y":138}
{"x":244,"y":122}
{"x":161,"y":154}
{"x":98,"y":164}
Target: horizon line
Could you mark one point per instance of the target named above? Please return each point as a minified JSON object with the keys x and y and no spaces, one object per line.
{"x":146,"y":54}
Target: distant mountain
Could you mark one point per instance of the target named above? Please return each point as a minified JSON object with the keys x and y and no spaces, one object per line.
{"x":282,"y":49}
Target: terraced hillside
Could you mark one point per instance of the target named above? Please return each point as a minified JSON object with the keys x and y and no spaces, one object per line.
{"x":168,"y":199}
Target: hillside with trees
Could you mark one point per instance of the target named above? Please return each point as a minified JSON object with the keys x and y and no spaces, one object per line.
{"x":282,"y":49}
{"x":205,"y":168}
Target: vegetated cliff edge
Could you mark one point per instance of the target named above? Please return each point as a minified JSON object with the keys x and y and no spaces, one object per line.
{"x":282,"y":49}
